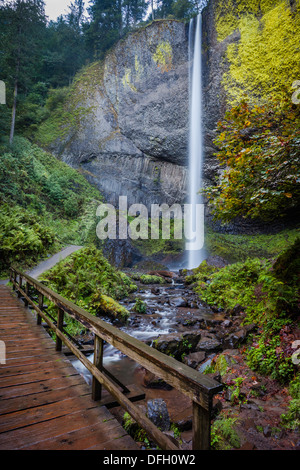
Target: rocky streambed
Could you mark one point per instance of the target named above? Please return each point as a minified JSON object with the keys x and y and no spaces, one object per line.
{"x":176,"y":322}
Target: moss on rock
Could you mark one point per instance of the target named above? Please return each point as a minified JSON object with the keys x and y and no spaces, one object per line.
{"x":107,"y":306}
{"x":265,"y":62}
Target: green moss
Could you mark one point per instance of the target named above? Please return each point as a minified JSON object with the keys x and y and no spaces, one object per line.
{"x":140,"y":306}
{"x":163,"y":56}
{"x":107,"y":306}
{"x":126,"y":80}
{"x":201,"y":274}
{"x":229,"y":12}
{"x":266,"y":60}
{"x":66,"y":108}
{"x":151,"y":279}
{"x":135,"y":430}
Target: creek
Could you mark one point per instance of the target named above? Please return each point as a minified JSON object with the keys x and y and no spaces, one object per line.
{"x":171,"y":308}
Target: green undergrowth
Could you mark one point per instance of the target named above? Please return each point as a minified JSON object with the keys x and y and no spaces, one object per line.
{"x":87,"y":279}
{"x":234,"y":248}
{"x":65,"y":108}
{"x":45,"y":205}
{"x":291,"y":419}
{"x":223,"y":433}
{"x":267,"y":290}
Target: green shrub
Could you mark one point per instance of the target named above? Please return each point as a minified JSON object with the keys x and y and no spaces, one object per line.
{"x":87,"y":279}
{"x":151,"y":279}
{"x":269,"y":295}
{"x":22,"y":236}
{"x":291,"y":419}
{"x":140,"y":306}
{"x":37,"y":188}
{"x":259,"y":149}
{"x":223,"y":434}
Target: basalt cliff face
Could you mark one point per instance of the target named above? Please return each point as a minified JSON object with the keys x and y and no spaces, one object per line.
{"x":131,"y":128}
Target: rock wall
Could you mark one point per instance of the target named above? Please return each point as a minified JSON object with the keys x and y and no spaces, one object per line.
{"x":130,"y":134}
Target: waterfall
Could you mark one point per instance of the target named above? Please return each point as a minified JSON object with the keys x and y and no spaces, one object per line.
{"x":195,"y":256}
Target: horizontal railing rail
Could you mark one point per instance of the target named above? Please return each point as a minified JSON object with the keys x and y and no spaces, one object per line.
{"x":198,"y":387}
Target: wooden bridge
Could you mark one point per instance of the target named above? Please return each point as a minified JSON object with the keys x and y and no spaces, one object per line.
{"x":44,"y":401}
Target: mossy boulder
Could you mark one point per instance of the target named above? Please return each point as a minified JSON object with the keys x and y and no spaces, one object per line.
{"x":177,"y":345}
{"x":106,"y":306}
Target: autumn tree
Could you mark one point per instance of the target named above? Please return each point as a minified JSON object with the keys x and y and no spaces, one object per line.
{"x":260,"y":156}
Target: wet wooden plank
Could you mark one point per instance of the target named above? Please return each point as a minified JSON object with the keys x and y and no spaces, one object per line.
{"x":39,"y":432}
{"x":44,"y":402}
{"x":40,"y":387}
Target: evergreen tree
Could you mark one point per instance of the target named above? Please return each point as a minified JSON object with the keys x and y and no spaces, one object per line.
{"x":134,"y":11}
{"x":65,"y":51}
{"x":22,"y":23}
{"x":105,"y":27}
{"x":109,"y":21}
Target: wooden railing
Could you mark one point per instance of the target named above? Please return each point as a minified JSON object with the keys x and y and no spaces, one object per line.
{"x":198,"y":387}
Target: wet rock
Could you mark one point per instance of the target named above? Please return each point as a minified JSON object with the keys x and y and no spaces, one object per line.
{"x":150,"y":380}
{"x":121,"y":253}
{"x":176,"y":344}
{"x":178,"y":302}
{"x":235,"y":339}
{"x":167,"y":274}
{"x":185,"y":424}
{"x":208,"y":343}
{"x":158,"y":413}
{"x":193,"y":304}
{"x":155,"y":290}
{"x":267,"y":431}
{"x":194,"y":359}
{"x":236,"y":310}
{"x":217,"y":406}
{"x":226,"y":323}
{"x":216,"y":261}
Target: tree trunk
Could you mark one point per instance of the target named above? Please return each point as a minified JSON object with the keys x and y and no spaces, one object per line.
{"x":13,"y":117}
{"x":152,"y":10}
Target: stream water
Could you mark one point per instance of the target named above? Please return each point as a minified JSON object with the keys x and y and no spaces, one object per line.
{"x":171,"y":308}
{"x":160,"y":319}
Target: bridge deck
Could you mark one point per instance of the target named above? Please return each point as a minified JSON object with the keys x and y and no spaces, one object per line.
{"x":44,"y":402}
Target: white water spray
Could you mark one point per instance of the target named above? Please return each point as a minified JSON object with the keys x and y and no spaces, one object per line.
{"x":195,"y":136}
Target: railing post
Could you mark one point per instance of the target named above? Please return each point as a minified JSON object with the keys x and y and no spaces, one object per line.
{"x":60,"y":324}
{"x":41,"y":301}
{"x":201,"y":427}
{"x":26,"y":292}
{"x":98,"y":362}
{"x":20,"y":285}
{"x":15,"y":280}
